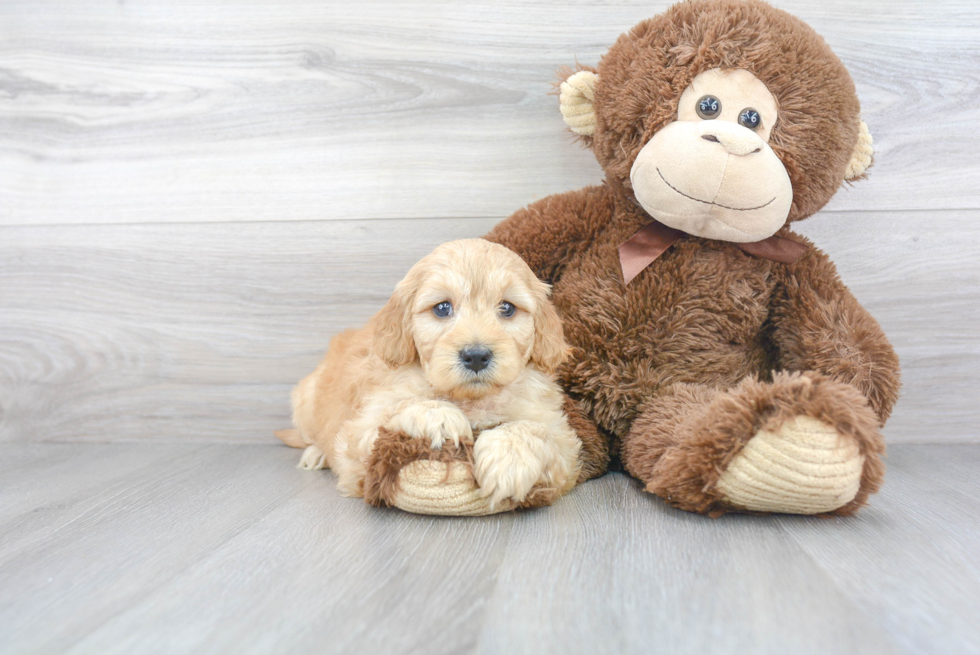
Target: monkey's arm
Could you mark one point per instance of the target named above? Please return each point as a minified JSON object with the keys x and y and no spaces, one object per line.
{"x":548,"y":232}
{"x":818,"y":325}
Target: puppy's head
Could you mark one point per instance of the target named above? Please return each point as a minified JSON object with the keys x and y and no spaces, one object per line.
{"x":473,"y":314}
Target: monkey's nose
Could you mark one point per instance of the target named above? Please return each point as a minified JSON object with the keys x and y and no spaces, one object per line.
{"x":734,"y":138}
{"x":476,"y":358}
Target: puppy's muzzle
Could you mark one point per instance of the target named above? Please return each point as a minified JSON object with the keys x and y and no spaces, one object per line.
{"x":475,"y":358}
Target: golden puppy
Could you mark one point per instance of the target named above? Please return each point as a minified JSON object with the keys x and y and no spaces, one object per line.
{"x":462,"y":356}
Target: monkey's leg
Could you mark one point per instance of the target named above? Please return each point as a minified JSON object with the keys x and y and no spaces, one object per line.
{"x":409,"y":474}
{"x":801,"y":444}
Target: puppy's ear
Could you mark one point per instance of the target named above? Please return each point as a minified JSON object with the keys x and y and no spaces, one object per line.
{"x":392,"y":327}
{"x":550,"y":349}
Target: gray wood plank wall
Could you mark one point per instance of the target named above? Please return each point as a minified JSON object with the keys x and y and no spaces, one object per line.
{"x":195,"y":196}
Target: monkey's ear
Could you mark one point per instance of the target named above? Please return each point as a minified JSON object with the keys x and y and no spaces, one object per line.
{"x":576,"y":98}
{"x":862,"y":155}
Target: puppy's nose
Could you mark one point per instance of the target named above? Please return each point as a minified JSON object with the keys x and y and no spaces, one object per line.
{"x":475,"y":358}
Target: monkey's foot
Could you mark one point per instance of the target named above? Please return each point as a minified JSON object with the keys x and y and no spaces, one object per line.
{"x":803,"y":467}
{"x":409,"y":474}
{"x":430,"y":487}
{"x":801,"y":443}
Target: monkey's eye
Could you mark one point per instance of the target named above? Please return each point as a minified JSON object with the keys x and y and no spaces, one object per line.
{"x":750,"y":118}
{"x":709,"y":107}
{"x":507,"y":309}
{"x":443,"y":309}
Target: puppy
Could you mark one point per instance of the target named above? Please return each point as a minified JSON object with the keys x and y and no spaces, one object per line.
{"x":461,"y":358}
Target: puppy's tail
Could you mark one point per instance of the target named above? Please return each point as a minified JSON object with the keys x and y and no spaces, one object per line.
{"x":293,"y":438}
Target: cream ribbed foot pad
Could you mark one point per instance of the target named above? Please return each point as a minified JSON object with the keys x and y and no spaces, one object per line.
{"x":805,"y":467}
{"x":424,"y":488}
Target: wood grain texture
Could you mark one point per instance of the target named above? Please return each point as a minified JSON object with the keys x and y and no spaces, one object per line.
{"x":645,"y":578}
{"x":910,"y":564}
{"x":92,"y":558}
{"x":325,"y":574}
{"x":173,"y":111}
{"x":190,"y":332}
{"x":29,"y":509}
{"x":231,"y":549}
{"x":198,"y":332}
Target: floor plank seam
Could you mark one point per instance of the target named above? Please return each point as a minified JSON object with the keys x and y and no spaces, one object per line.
{"x":117,"y":487}
{"x":832,"y":581}
{"x":199,"y":558}
{"x":373,"y":219}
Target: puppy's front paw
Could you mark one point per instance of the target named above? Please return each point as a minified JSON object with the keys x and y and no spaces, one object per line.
{"x":508,"y":462}
{"x":434,"y":420}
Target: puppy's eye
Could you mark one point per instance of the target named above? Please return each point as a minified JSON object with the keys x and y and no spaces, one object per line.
{"x":507,"y":309}
{"x":443,"y":309}
{"x":708,"y":107}
{"x":750,"y":118}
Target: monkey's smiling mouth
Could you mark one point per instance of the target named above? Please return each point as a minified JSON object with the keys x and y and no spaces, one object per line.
{"x":738,"y":209}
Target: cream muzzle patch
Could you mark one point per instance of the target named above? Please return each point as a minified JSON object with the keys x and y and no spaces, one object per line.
{"x":711,"y":173}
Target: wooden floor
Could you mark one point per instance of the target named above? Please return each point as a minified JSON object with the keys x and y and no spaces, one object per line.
{"x":180,"y":548}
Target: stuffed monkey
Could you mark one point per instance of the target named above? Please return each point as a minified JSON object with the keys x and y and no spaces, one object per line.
{"x":715,"y":352}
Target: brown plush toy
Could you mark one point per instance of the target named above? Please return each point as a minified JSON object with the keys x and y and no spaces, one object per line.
{"x":715,"y":352}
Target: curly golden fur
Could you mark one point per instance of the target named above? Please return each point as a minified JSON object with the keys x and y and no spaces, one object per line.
{"x":403,"y":376}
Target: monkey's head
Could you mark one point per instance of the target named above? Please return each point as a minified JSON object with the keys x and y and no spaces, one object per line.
{"x":725,"y":119}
